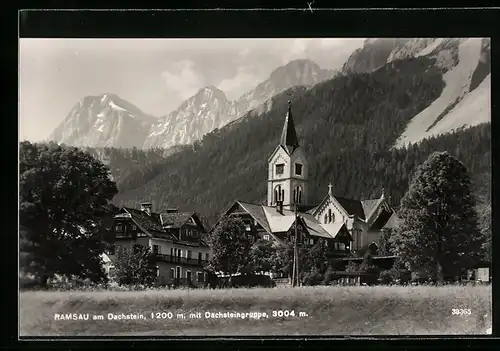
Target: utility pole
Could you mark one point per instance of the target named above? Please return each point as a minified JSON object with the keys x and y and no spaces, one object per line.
{"x":295,"y":273}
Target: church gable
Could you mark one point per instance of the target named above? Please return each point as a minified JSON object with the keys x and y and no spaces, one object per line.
{"x":279,"y":164}
{"x":330,"y":211}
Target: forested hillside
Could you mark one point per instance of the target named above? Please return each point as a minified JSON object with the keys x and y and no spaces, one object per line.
{"x":347,"y":127}
{"x":124,"y":162}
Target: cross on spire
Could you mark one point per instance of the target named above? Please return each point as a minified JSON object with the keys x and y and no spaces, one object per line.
{"x":330,"y":188}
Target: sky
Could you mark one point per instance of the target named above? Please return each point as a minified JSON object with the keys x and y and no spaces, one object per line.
{"x":156,"y":75}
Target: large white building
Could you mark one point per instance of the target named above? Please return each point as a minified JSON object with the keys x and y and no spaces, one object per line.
{"x":346,"y":224}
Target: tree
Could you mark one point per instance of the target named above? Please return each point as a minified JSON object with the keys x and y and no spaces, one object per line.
{"x":282,"y":260}
{"x":134,"y":265}
{"x":352,"y":267}
{"x":63,"y":211}
{"x":261,"y":256}
{"x":385,"y":244}
{"x":230,"y":247}
{"x":439,"y":232}
{"x":485,"y":224}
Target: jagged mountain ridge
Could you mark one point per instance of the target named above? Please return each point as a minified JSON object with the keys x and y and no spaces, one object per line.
{"x":104,"y":121}
{"x":209,"y":109}
{"x":109,"y":121}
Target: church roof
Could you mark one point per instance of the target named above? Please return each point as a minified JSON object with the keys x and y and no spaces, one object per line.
{"x":353,"y":207}
{"x":273,"y":221}
{"x":368,"y":206}
{"x":289,"y":138}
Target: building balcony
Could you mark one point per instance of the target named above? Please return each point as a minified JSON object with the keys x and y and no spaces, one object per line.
{"x":180,"y":260}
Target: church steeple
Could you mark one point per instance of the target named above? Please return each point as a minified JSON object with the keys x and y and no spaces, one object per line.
{"x":288,"y":169}
{"x":289,"y":138}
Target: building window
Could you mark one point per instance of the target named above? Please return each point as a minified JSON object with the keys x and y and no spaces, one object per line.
{"x":199,"y":277}
{"x":178,"y":273}
{"x":280,"y":169}
{"x":200,"y":257}
{"x":206,"y":257}
{"x":157,"y":268}
{"x":189,"y":254}
{"x":172,"y":273}
{"x":331,"y":216}
{"x":266,"y":237}
{"x":156,"y":249}
{"x":188,"y":276}
{"x":134,"y":227}
{"x":326,"y":218}
{"x":292,"y":238}
{"x":298,"y":169}
{"x":119,"y":228}
{"x":341,"y":246}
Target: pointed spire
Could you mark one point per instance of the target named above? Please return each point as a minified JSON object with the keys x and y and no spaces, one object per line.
{"x":289,"y":136}
{"x":330,"y":189}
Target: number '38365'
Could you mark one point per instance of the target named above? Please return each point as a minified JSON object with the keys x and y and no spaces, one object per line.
{"x":461,"y":312}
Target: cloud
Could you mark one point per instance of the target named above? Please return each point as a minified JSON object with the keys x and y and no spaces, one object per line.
{"x":183,"y":78}
{"x":244,"y":79}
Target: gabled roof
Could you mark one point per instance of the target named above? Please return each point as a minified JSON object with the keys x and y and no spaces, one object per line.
{"x":151,"y":224}
{"x":148,"y":223}
{"x":313,"y":227}
{"x":353,"y":207}
{"x":289,"y":138}
{"x":368,"y":206}
{"x":175,"y":219}
{"x":393,"y":222}
{"x":279,"y":222}
{"x":257,"y":213}
{"x":335,"y":228}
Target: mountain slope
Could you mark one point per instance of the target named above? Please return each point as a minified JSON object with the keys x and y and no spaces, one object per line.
{"x":464,"y":102}
{"x":346,"y":126}
{"x":103,"y":121}
{"x":373,"y":54}
{"x":460,"y":104}
{"x":210,"y":109}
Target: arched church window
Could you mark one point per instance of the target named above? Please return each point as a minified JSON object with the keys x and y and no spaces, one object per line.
{"x":279,"y":193}
{"x":297,"y":194}
{"x":326,"y":218}
{"x":331,"y":216}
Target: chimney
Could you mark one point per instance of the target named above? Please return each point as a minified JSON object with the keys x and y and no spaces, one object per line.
{"x":279,"y":206}
{"x":146,"y":207}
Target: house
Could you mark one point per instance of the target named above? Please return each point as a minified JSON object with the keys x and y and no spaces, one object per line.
{"x":347,"y":225}
{"x":175,"y":238}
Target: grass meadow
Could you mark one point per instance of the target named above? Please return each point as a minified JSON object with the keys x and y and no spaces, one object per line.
{"x":326,"y":310}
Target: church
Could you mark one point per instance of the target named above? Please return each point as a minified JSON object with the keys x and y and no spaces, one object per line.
{"x":346,"y":225}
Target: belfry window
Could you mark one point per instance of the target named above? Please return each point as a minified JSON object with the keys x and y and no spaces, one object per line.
{"x":279,"y":194}
{"x":297,"y":195}
{"x":280,"y":169}
{"x":298,"y":169}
